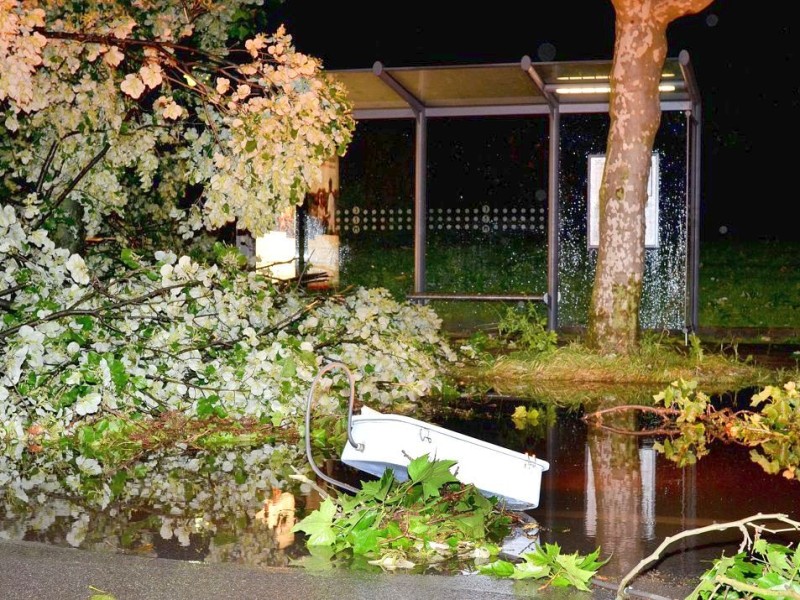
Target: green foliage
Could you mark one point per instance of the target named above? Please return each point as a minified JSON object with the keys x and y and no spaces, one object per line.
{"x":527,"y":329}
{"x":750,"y":284}
{"x":768,"y":571}
{"x":429,"y":518}
{"x":524,"y":417}
{"x":118,"y":443}
{"x":692,"y":443}
{"x":743,"y":284}
{"x":695,"y":349}
{"x":547,"y":562}
{"x":772,"y":432}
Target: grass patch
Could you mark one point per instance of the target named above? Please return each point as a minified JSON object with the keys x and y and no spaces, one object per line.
{"x":572,"y":374}
{"x":743,"y":284}
{"x":750,"y":284}
{"x":121,"y":441}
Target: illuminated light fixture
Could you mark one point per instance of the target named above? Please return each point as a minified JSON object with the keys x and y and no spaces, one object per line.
{"x":601,"y":89}
{"x":583,"y":78}
{"x":600,"y":77}
{"x":584,"y":89}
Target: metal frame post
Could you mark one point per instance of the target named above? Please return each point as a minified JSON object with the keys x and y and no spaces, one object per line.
{"x":553,"y":220}
{"x":420,"y":201}
{"x":420,"y":172}
{"x":694,"y":223}
{"x":553,"y":200}
{"x":693,"y":210}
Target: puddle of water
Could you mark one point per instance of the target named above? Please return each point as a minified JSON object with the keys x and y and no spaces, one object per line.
{"x":603,"y":489}
{"x":210,"y":507}
{"x":616,"y":492}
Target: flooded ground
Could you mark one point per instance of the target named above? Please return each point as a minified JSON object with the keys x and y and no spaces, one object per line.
{"x":603,"y":489}
{"x":616,"y":492}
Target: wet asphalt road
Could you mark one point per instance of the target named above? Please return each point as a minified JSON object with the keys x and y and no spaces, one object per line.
{"x":33,"y":571}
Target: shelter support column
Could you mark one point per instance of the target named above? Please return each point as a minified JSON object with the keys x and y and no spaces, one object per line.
{"x":420,"y":201}
{"x":420,"y":172}
{"x":553,"y":201}
{"x":693,"y":157}
{"x":693,"y":214}
{"x":553,"y":220}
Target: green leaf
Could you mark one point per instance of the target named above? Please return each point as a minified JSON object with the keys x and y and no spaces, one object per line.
{"x":572,"y":574}
{"x":365,"y":541}
{"x":207,"y":406}
{"x":289,"y":369}
{"x":471,"y":525}
{"x":431,"y":475}
{"x":528,"y":570}
{"x":86,"y":322}
{"x":128,"y":258}
{"x":119,"y":374}
{"x":498,"y":568}
{"x":319,"y":525}
{"x":377,"y":490}
{"x":118,"y":483}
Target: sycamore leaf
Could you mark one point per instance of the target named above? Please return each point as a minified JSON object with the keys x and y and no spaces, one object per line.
{"x":431,"y":475}
{"x":571,"y":573}
{"x":365,"y":541}
{"x":319,"y":525}
{"x":590,"y":561}
{"x":544,"y":554}
{"x":498,"y":568}
{"x":528,"y":570}
{"x":471,"y":525}
{"x":349,"y":503}
{"x":318,"y":559}
{"x":365,"y":519}
{"x":378,"y":489}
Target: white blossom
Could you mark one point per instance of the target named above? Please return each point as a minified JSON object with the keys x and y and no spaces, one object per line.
{"x":77,"y":269}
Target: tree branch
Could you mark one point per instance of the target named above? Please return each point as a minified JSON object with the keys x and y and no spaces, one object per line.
{"x":112,"y":40}
{"x":88,"y":167}
{"x":46,"y":166}
{"x":95,"y":312}
{"x":11,"y":290}
{"x":626,"y":407}
{"x":758,"y":591}
{"x":740,"y":524}
{"x":667,"y":11}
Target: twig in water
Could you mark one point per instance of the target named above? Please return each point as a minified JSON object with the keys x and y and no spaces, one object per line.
{"x":741,"y":524}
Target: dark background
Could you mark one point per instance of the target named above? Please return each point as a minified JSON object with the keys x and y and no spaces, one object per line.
{"x":745,"y":66}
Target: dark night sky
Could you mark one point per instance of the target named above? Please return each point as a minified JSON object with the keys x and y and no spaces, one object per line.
{"x":745,"y":65}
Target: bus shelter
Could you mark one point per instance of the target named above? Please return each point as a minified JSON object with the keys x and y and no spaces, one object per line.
{"x":528,"y":88}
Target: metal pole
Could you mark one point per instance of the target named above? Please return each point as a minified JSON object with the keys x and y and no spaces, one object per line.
{"x":554,"y":176}
{"x":695,"y":206}
{"x":420,"y":201}
{"x":553,"y":221}
{"x":693,"y":165}
{"x":420,"y":171}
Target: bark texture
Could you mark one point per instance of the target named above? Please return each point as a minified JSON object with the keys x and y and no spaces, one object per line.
{"x":640,"y":48}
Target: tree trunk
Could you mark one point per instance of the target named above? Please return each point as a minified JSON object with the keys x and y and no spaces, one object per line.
{"x":640,"y":48}
{"x":617,"y":474}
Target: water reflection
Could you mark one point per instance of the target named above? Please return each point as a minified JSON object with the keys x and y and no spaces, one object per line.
{"x":614,"y":491}
{"x":603,"y":488}
{"x":212,"y":507}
